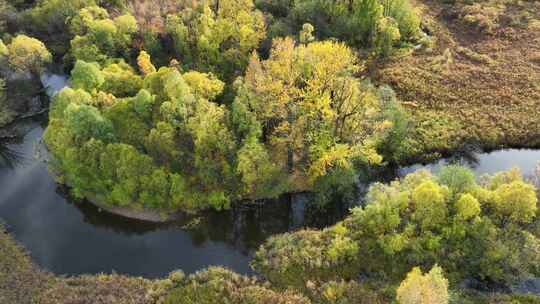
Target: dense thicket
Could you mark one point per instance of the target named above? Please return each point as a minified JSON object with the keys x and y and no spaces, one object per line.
{"x":486,"y":230}
{"x":22,"y":60}
{"x":214,"y":122}
{"x":379,"y":25}
{"x":157,"y":138}
{"x":218,"y":285}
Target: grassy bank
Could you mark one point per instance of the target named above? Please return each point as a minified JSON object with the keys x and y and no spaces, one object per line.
{"x":21,"y":282}
{"x":479,"y":83}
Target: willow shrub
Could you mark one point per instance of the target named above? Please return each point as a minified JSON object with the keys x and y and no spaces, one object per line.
{"x":218,"y":285}
{"x":428,"y":288}
{"x":377,"y":24}
{"x":293,"y":259}
{"x":485,"y":230}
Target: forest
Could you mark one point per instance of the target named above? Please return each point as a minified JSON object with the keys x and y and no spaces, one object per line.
{"x":219,"y":122}
{"x":192,"y":106}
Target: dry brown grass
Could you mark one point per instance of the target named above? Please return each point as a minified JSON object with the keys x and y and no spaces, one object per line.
{"x":20,"y":280}
{"x":490,"y":85}
{"x":97,"y":289}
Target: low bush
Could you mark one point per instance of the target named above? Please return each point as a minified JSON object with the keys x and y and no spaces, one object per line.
{"x":483,"y":230}
{"x":294,"y":259}
{"x":218,"y":285}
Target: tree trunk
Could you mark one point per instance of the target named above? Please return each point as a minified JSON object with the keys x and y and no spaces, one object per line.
{"x":290,"y":150}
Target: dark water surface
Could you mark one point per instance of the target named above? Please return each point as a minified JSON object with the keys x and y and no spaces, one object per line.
{"x":488,"y":162}
{"x":73,"y":237}
{"x":67,"y":236}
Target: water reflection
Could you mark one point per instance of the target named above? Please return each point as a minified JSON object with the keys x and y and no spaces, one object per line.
{"x":244,"y":227}
{"x":69,"y":236}
{"x":485,"y":163}
{"x":9,"y":158}
{"x":466,"y":157}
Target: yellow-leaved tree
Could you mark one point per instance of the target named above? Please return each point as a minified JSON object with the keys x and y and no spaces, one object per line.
{"x":315,"y":113}
{"x":429,"y":288}
{"x":27,"y":54}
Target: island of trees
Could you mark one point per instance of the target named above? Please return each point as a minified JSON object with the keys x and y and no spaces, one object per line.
{"x":228,"y":117}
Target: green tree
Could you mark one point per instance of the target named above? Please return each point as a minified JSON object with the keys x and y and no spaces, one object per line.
{"x":81,"y":23}
{"x":386,"y":36}
{"x":86,"y":76}
{"x":516,"y":201}
{"x":204,"y":85}
{"x":217,"y":38}
{"x":26,"y":54}
{"x":143,"y":104}
{"x":85,"y":122}
{"x":260,"y":176}
{"x":121,"y":80}
{"x":467,"y":207}
{"x":430,"y":204}
{"x":214,"y":148}
{"x":162,"y":142}
{"x":50,"y":19}
{"x":392,"y":144}
{"x":97,"y":37}
{"x":458,"y":179}
{"x":126,"y":171}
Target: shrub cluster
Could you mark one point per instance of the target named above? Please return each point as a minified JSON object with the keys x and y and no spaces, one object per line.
{"x":483,"y":230}
{"x":218,"y":285}
{"x":158,"y":138}
{"x":379,"y":25}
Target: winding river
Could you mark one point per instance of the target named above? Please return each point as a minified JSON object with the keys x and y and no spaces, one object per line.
{"x":68,"y":236}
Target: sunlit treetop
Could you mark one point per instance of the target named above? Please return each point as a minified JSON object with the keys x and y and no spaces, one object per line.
{"x":428,"y":288}
{"x":145,"y":64}
{"x":28,"y":54}
{"x":3,"y":50}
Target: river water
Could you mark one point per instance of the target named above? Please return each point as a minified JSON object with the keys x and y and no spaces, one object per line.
{"x":72,"y":237}
{"x":67,"y":236}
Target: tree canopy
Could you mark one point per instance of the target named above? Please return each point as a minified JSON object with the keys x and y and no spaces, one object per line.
{"x":26,"y":54}
{"x":300,"y":118}
{"x":479,"y":231}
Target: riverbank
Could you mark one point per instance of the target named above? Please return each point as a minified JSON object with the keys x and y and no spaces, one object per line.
{"x":148,"y":215}
{"x":22,"y":282}
{"x":475,"y":87}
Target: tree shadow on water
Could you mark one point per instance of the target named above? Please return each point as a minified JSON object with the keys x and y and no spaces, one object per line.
{"x":10,"y":158}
